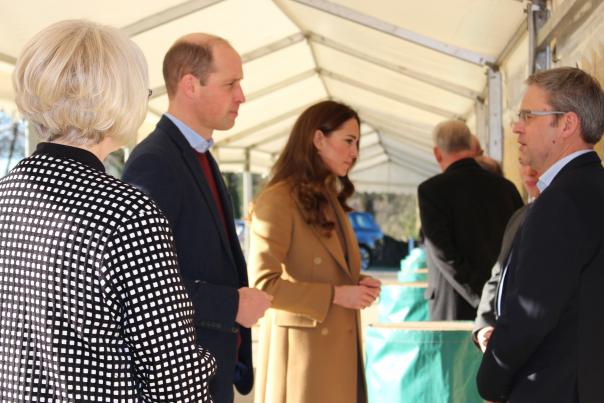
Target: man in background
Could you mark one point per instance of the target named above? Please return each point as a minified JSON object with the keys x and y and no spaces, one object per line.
{"x":174,"y":165}
{"x":475,"y":146}
{"x":463,"y":212}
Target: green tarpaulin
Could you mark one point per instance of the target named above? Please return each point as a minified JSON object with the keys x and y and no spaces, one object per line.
{"x":421,"y":366}
{"x":400,"y":303}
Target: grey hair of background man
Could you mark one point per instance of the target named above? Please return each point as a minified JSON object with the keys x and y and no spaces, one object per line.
{"x":452,"y":136}
{"x":572,"y":90}
{"x":80,"y":82}
{"x":190,"y":56}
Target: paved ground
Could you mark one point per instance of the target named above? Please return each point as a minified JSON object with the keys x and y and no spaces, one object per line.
{"x":368,"y":316}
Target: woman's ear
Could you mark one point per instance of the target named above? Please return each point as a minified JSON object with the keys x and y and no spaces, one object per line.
{"x":318,"y":139}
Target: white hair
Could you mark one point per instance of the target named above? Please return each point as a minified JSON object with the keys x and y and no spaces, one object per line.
{"x":80,"y":82}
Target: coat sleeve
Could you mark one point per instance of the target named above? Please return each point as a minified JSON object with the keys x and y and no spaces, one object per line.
{"x":216,"y":305}
{"x":436,"y":227}
{"x":542,"y":278}
{"x":144,"y":288}
{"x":271,"y":238}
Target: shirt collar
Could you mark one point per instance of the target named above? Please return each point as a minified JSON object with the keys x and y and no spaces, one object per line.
{"x":548,"y":176}
{"x":195,"y":140}
{"x":68,"y":152}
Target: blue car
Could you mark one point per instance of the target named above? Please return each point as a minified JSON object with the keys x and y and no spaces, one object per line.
{"x":369,"y":236}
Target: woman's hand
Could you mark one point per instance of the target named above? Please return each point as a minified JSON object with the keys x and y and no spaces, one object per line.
{"x":355,"y":296}
{"x":371,"y":282}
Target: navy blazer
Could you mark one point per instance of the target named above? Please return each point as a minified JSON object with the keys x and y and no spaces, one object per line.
{"x":547,"y":343}
{"x":211,"y":261}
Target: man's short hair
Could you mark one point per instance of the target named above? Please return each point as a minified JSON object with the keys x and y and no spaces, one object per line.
{"x":79,"y":81}
{"x":452,"y":136}
{"x":572,"y":90}
{"x":189,"y":57}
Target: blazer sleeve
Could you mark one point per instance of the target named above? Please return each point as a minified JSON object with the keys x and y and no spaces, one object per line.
{"x":543,"y":276}
{"x":271,"y":238}
{"x":435,"y":226}
{"x":216,"y":305}
{"x":151,"y":173}
{"x":485,"y":315}
{"x":142,"y":283}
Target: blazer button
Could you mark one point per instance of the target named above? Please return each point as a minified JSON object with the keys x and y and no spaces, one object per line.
{"x":317,"y":260}
{"x":324,"y":331}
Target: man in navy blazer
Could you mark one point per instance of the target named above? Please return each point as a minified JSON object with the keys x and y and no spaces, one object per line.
{"x":547,"y":341}
{"x":175,"y":167}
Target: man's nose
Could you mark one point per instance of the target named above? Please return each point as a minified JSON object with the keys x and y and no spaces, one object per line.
{"x":517,"y":127}
{"x":240,"y":96}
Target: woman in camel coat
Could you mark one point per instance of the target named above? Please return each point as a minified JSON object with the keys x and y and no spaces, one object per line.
{"x":304,"y":253}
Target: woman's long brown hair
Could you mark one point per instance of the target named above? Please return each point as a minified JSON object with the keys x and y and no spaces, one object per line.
{"x":303,"y":169}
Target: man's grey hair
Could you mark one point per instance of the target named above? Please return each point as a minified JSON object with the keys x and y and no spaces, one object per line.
{"x":570,"y":89}
{"x":452,"y":136}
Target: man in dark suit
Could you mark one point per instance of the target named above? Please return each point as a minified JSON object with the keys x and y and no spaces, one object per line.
{"x":463,"y":212}
{"x":485,"y":317}
{"x":547,"y":342}
{"x":174,"y":165}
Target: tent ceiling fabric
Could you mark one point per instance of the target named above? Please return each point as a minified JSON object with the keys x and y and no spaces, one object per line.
{"x":296,"y":54}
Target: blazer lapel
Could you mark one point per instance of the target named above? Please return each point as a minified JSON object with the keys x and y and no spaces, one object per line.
{"x":190,"y":159}
{"x":204,"y":188}
{"x":225,"y":198}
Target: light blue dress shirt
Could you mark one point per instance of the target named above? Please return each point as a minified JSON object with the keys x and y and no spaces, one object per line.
{"x":548,"y":176}
{"x":197,"y":142}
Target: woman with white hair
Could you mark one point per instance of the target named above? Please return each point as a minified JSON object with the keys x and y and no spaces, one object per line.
{"x":91,"y":302}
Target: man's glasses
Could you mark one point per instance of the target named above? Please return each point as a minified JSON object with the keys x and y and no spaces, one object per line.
{"x":524,"y":114}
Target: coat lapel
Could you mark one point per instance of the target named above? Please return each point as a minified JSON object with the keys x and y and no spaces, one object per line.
{"x":332,"y":244}
{"x":354,"y":256}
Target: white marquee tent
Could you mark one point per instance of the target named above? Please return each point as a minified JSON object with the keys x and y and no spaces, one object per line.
{"x":404,"y":65}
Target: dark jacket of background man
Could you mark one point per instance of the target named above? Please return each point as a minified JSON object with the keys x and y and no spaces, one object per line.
{"x":464,"y":211}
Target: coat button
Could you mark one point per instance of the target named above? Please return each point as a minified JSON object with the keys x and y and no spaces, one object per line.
{"x":324,"y":331}
{"x":317,"y":260}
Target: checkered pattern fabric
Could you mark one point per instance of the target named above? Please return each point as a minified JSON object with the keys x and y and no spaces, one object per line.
{"x":91,"y":301}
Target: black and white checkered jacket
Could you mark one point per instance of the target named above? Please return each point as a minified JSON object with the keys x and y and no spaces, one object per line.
{"x":91,"y":302}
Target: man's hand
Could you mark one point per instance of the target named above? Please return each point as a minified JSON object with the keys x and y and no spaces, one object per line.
{"x":483,"y":337}
{"x":252,"y":305}
{"x":355,"y":296}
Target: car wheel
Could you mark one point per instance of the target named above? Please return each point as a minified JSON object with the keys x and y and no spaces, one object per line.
{"x":365,"y":257}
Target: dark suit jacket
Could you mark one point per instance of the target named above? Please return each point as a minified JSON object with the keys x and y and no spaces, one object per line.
{"x":463,"y":211}
{"x":547,"y":343}
{"x":485,"y":315}
{"x":211,"y":262}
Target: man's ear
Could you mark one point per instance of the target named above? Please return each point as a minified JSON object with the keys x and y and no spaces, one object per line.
{"x":437,"y":154}
{"x":318,"y":139}
{"x":570,"y":124}
{"x":187,"y":85}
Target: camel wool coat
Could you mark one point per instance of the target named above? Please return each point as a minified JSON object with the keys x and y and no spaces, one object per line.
{"x":310,"y":349}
